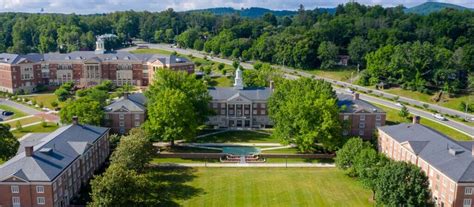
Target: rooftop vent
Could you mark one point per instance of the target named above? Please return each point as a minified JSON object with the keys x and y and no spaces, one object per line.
{"x":454,"y":150}
{"x":46,"y":150}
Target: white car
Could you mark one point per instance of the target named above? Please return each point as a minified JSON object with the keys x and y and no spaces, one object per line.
{"x":440,"y":117}
{"x":349,"y":90}
{"x":399,"y":104}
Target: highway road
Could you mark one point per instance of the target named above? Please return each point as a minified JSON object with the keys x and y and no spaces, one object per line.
{"x":463,"y":128}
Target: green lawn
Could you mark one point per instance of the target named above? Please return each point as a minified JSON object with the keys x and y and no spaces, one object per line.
{"x":35,"y":129}
{"x":274,"y":187}
{"x":393,"y":118}
{"x":157,"y":160}
{"x":17,"y":112}
{"x":452,"y":103}
{"x":151,"y":51}
{"x":221,"y":82}
{"x":283,"y":151}
{"x":46,"y":99}
{"x":336,"y":74}
{"x":24,"y":121}
{"x":238,"y":136}
{"x":298,"y":160}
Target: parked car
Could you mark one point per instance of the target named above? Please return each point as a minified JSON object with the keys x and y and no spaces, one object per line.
{"x":7,"y":113}
{"x":439,"y":117}
{"x":349,"y":90}
{"x":399,"y":104}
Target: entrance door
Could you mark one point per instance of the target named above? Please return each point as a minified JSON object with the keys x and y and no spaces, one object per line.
{"x":239,"y":123}
{"x":247,"y":123}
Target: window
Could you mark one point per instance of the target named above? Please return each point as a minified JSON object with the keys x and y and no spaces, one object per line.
{"x":263,"y":112}
{"x":468,"y":190}
{"x":361,"y":125}
{"x":137,"y":123}
{"x":16,"y":201}
{"x":214,"y":105}
{"x":378,"y":117}
{"x":121,"y":124}
{"x":222,"y":112}
{"x":254,"y":112}
{"x":467,"y":202}
{"x":361,"y":132}
{"x":345,"y":132}
{"x":39,"y":189}
{"x":137,"y":116}
{"x":263,"y":105}
{"x":15,"y":189}
{"x":362,"y":117}
{"x":40,"y":200}
{"x":121,"y":116}
{"x":346,"y":117}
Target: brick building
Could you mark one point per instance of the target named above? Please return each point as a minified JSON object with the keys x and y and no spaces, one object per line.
{"x":239,"y":107}
{"x":126,"y":113}
{"x":447,"y":163}
{"x":84,"y":68}
{"x":50,"y":169}
{"x":360,"y":118}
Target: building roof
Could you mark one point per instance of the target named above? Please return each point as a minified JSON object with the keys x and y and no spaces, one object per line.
{"x":90,"y":56}
{"x":356,"y":105}
{"x":52,"y":154}
{"x":134,"y":102}
{"x":254,"y":94}
{"x":452,"y":158}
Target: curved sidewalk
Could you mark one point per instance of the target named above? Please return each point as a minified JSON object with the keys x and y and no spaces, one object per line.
{"x":238,"y":165}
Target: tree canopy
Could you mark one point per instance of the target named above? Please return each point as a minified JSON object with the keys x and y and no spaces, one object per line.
{"x":305,"y":112}
{"x":87,"y":109}
{"x":8,"y":143}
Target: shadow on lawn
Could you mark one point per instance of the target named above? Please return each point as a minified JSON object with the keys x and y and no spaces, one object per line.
{"x":171,"y":184}
{"x":235,"y":136}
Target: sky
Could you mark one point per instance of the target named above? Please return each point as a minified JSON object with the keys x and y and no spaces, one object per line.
{"x":105,"y":6}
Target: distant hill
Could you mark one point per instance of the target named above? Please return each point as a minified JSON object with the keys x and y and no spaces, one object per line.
{"x":429,"y":7}
{"x":255,"y":12}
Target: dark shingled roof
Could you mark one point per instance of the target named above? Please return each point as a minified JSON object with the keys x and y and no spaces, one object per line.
{"x":356,"y":105}
{"x":452,"y":158}
{"x":255,"y":94}
{"x":90,"y":56}
{"x":54,"y":153}
{"x":134,"y":103}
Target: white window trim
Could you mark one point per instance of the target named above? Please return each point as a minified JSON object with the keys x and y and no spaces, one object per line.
{"x":39,"y":189}
{"x":467,"y":202}
{"x":468,"y":190}
{"x":15,"y":189}
{"x":40,"y":200}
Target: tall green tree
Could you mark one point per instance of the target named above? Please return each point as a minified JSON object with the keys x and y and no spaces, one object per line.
{"x":88,"y":110}
{"x":171,"y":116}
{"x":327,"y":53}
{"x":402,"y":184}
{"x":8,"y":143}
{"x":134,"y":151}
{"x":349,"y":151}
{"x":305,"y":112}
{"x":357,"y":49}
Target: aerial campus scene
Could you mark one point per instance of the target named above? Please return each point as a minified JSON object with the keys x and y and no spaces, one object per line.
{"x":219,"y":103}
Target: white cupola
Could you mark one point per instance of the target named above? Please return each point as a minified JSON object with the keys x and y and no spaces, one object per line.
{"x":238,"y":81}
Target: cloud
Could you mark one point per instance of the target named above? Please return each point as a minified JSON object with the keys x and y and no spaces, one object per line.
{"x":104,"y":6}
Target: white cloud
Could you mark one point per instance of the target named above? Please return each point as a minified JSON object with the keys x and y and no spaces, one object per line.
{"x":103,"y":6}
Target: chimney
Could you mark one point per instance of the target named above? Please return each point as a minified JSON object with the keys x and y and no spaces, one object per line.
{"x":125,"y":95}
{"x":356,"y":96}
{"x":29,"y":151}
{"x":416,"y":119}
{"x":75,"y":120}
{"x":272,"y":85}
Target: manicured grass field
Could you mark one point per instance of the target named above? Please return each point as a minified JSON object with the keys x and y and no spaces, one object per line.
{"x":151,"y":51}
{"x":274,"y":187}
{"x":17,"y":112}
{"x":238,"y":136}
{"x":24,"y":121}
{"x":394,"y":118}
{"x":221,"y":82}
{"x":46,"y":99}
{"x":35,"y":129}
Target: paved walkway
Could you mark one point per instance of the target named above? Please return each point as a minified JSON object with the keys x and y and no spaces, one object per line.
{"x":20,"y":107}
{"x":239,"y":165}
{"x":236,"y":144}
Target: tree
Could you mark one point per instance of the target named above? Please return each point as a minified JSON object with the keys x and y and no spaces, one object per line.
{"x":261,"y":77}
{"x":402,"y":184}
{"x":305,"y":112}
{"x":54,"y":104}
{"x":345,"y":157}
{"x":187,"y":38}
{"x":8,"y":143}
{"x":134,"y":151}
{"x":270,"y":18}
{"x":195,"y":91}
{"x":62,"y":94}
{"x":357,"y":49}
{"x":366,"y":165}
{"x":118,"y":186}
{"x":171,"y":116}
{"x":327,"y":53}
{"x":404,"y":113}
{"x":88,"y":110}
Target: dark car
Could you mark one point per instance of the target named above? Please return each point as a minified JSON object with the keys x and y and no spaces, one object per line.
{"x":7,"y":113}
